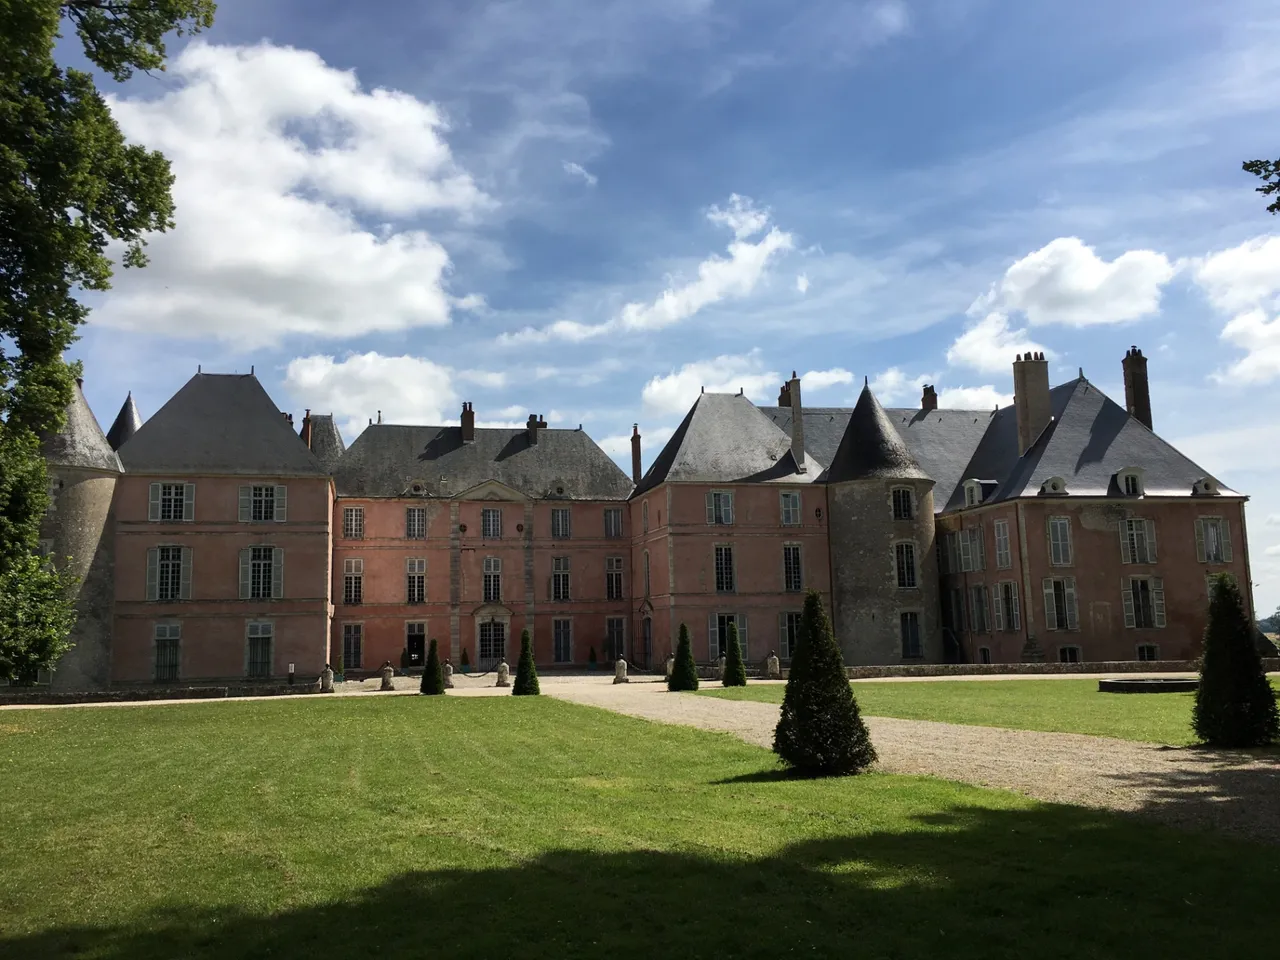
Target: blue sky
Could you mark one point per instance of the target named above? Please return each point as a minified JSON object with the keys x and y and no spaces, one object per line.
{"x":590,"y":211}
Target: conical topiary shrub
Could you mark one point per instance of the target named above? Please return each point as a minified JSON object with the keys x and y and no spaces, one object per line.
{"x":526,"y":671}
{"x":1235,"y":705}
{"x":684,"y":676}
{"x":820,"y":731}
{"x":432,"y":675}
{"x":735,"y":671}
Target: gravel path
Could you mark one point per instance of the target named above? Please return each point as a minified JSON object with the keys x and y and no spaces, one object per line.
{"x":1235,"y":792}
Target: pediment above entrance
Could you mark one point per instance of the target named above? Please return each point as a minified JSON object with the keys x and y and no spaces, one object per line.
{"x":491,"y":490}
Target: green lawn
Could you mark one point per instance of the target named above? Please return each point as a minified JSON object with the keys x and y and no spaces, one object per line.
{"x":1061,"y":706}
{"x":493,"y":828}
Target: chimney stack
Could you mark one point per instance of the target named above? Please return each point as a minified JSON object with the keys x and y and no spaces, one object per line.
{"x":1137,"y":392}
{"x":929,"y":399}
{"x":1031,"y":398}
{"x":468,"y":423}
{"x":784,"y":395}
{"x":531,"y":428}
{"x":792,"y":391}
{"x":305,"y":432}
{"x":635,"y":453}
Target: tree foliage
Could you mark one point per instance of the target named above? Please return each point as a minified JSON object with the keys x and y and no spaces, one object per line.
{"x":1235,"y":705}
{"x":1269,"y":171}
{"x":432,"y":674}
{"x":526,"y":684}
{"x":735,"y":671}
{"x":821,"y":730}
{"x":684,"y":675}
{"x":34,"y":618}
{"x":72,"y":192}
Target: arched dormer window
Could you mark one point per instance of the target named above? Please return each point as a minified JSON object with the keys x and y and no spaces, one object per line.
{"x":1054,"y":487}
{"x":972,"y":493}
{"x":1129,"y":480}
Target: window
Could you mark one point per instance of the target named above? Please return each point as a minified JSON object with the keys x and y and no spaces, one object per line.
{"x":1004,"y":559}
{"x":788,"y":634}
{"x":973,"y":554}
{"x":1138,"y":541}
{"x":353,"y":523}
{"x":789,"y":503}
{"x":493,"y":641}
{"x":613,"y":522}
{"x":724,"y":569}
{"x":720,"y":506}
{"x":1004,"y":602}
{"x":261,"y":504}
{"x":259,"y":649}
{"x":615,"y":638}
{"x":1060,"y":611}
{"x":169,"y":573}
{"x":559,"y":578}
{"x":167,"y":636}
{"x":792,"y":574}
{"x":613,"y":578}
{"x":909,"y":626}
{"x":644,"y":516}
{"x":562,"y":640}
{"x":353,"y":581}
{"x":492,"y":580}
{"x":984,"y":654}
{"x":171,"y":502}
{"x":905,"y":557}
{"x":951,"y":553}
{"x":1144,"y":602}
{"x":1148,"y":652}
{"x":352,"y":645}
{"x":1213,"y":540}
{"x":261,"y":573}
{"x":1060,"y":541}
{"x":978,"y":622}
{"x":415,"y":523}
{"x":1069,"y":654}
{"x":954,"y":609}
{"x":1131,"y":484}
{"x":415,"y":642}
{"x":415,"y":569}
{"x":491,"y":523}
{"x":902,"y":508}
{"x":560,"y":523}
{"x":972,"y":494}
{"x":720,"y":633}
{"x":646,"y":573}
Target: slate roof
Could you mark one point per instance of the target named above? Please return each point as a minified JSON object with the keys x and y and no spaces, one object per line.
{"x":386,"y":460}
{"x":126,"y":424}
{"x":725,"y":438}
{"x":871,"y":448}
{"x":220,"y":424}
{"x":80,"y":442}
{"x":326,"y":440}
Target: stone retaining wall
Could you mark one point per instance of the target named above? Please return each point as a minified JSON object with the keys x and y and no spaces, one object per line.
{"x":45,"y":696}
{"x":994,"y":669}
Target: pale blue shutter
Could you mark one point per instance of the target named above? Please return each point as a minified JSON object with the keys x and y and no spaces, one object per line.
{"x":1157,"y":599}
{"x":246,"y":503}
{"x":713,"y":641}
{"x":1151,"y":540}
{"x":184,"y":574}
{"x":1126,"y":595}
{"x":711,"y":508}
{"x":742,"y":635}
{"x":153,"y":503}
{"x":1224,"y":530}
{"x":1201,"y":554}
{"x":1073,"y":612}
{"x":188,"y":501}
{"x":997,"y":606}
{"x":1017,"y":611}
{"x":282,"y":503}
{"x":1126,"y":551}
{"x":277,"y":573}
{"x":246,"y":572}
{"x":153,"y":570}
{"x":1051,"y":618}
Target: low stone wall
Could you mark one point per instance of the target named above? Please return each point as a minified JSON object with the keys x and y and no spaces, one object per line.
{"x":1031,"y":669}
{"x":41,"y":697}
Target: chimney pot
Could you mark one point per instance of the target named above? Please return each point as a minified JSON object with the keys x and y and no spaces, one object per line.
{"x":635,"y":453}
{"x":1137,"y":389}
{"x":305,"y":432}
{"x":929,"y":399}
{"x":468,"y":427}
{"x":1031,"y":398}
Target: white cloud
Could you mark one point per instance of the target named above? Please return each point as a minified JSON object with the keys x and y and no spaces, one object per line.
{"x":822,"y":379}
{"x":802,"y":282}
{"x":893,"y":386}
{"x":1245,"y":281}
{"x":718,"y":278}
{"x":1065,"y":282}
{"x":493,"y":379}
{"x":675,"y":392}
{"x":651,"y":441}
{"x":578,"y":170}
{"x":973,"y":398}
{"x":275,"y":153}
{"x":990,"y":346}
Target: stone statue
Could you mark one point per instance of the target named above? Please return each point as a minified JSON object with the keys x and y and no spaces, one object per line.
{"x":620,"y":672}
{"x":326,"y":679}
{"x":504,"y":674}
{"x":671,"y":664}
{"x":721,"y":666}
{"x":448,"y":674}
{"x":772,"y":668}
{"x":388,"y":672}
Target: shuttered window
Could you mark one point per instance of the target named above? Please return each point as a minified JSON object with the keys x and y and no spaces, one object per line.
{"x":1143,"y":599}
{"x":1138,"y":540}
{"x":261,"y":573}
{"x":1060,"y":541}
{"x":718,"y":628}
{"x":1004,"y":559}
{"x":720,"y":507}
{"x":171,"y":502}
{"x":1060,"y":607}
{"x":1213,"y":540}
{"x":169,"y":573}
{"x":978,"y":621}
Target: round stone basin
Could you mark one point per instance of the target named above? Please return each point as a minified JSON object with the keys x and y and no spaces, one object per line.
{"x":1149,"y":685}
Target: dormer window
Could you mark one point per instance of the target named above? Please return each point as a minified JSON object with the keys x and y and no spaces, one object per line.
{"x":1053,"y":487}
{"x":1129,"y":480}
{"x":972,"y":493}
{"x":1205,"y":487}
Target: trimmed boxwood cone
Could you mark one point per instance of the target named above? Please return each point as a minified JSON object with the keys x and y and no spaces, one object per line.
{"x":1235,"y":705}
{"x":735,"y":671}
{"x":684,"y":675}
{"x":820,"y":731}
{"x":526,"y":672}
{"x":432,"y":675}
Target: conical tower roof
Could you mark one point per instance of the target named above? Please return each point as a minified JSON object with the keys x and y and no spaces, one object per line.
{"x":871,"y":448}
{"x":80,"y":442}
{"x":126,"y":425}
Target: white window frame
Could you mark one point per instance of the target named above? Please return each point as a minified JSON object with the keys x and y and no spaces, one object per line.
{"x":256,"y":506}
{"x":1137,"y":540}
{"x":898,"y":496}
{"x":415,"y":523}
{"x":415,"y":582}
{"x":614,"y":578}
{"x":176,"y":498}
{"x":613,"y":523}
{"x":491,"y":580}
{"x":905,"y":565}
{"x":731,"y":579}
{"x":491,"y":523}
{"x":716,"y":649}
{"x":789,"y":507}
{"x":792,"y":568}
{"x":972,"y":493}
{"x":1058,"y":530}
{"x":1153,"y":647}
{"x":1068,"y":618}
{"x":1005,"y":606}
{"x":1155,"y":590}
{"x":788,"y":628}
{"x":979,"y":612}
{"x":1066,"y":648}
{"x":719,"y":507}
{"x":254,"y":583}
{"x":1222,"y":528}
{"x":353,"y":523}
{"x":561,"y":523}
{"x":560,"y":582}
{"x":352,"y":581}
{"x":1130,"y":483}
{"x":184,"y":571}
{"x":1004,"y":555}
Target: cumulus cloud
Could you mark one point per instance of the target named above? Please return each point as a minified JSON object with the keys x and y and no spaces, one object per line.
{"x":651,"y":440}
{"x":718,"y":278}
{"x":973,"y":398}
{"x":578,"y":170}
{"x":276,"y":156}
{"x":990,"y":345}
{"x":823,"y":379}
{"x":673,"y":393}
{"x":802,"y":282}
{"x":1245,"y":281}
{"x":893,"y":386}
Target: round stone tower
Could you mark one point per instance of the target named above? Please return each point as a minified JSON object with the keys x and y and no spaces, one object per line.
{"x":77,"y":533}
{"x":884,"y":573}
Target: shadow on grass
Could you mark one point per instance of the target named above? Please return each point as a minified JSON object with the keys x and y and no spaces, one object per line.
{"x":1044,"y":882}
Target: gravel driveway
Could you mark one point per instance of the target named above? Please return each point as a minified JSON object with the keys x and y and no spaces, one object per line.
{"x":1235,"y":792}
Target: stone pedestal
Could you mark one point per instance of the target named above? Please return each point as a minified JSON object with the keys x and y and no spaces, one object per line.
{"x":620,"y":672}
{"x":388,"y":674}
{"x":447,"y":670}
{"x":772,"y":668}
{"x":326,"y":680}
{"x":504,"y":674}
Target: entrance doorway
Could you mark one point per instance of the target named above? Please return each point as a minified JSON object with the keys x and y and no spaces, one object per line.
{"x":493,"y":643}
{"x":416,"y":643}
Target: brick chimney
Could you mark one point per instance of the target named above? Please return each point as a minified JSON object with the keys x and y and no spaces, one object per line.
{"x":531,"y":428}
{"x":1137,"y":392}
{"x":1031,"y":398}
{"x":929,"y":399}
{"x":635,"y":453}
{"x":468,"y":423}
{"x":784,"y":395}
{"x":792,"y":392}
{"x":305,"y":432}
